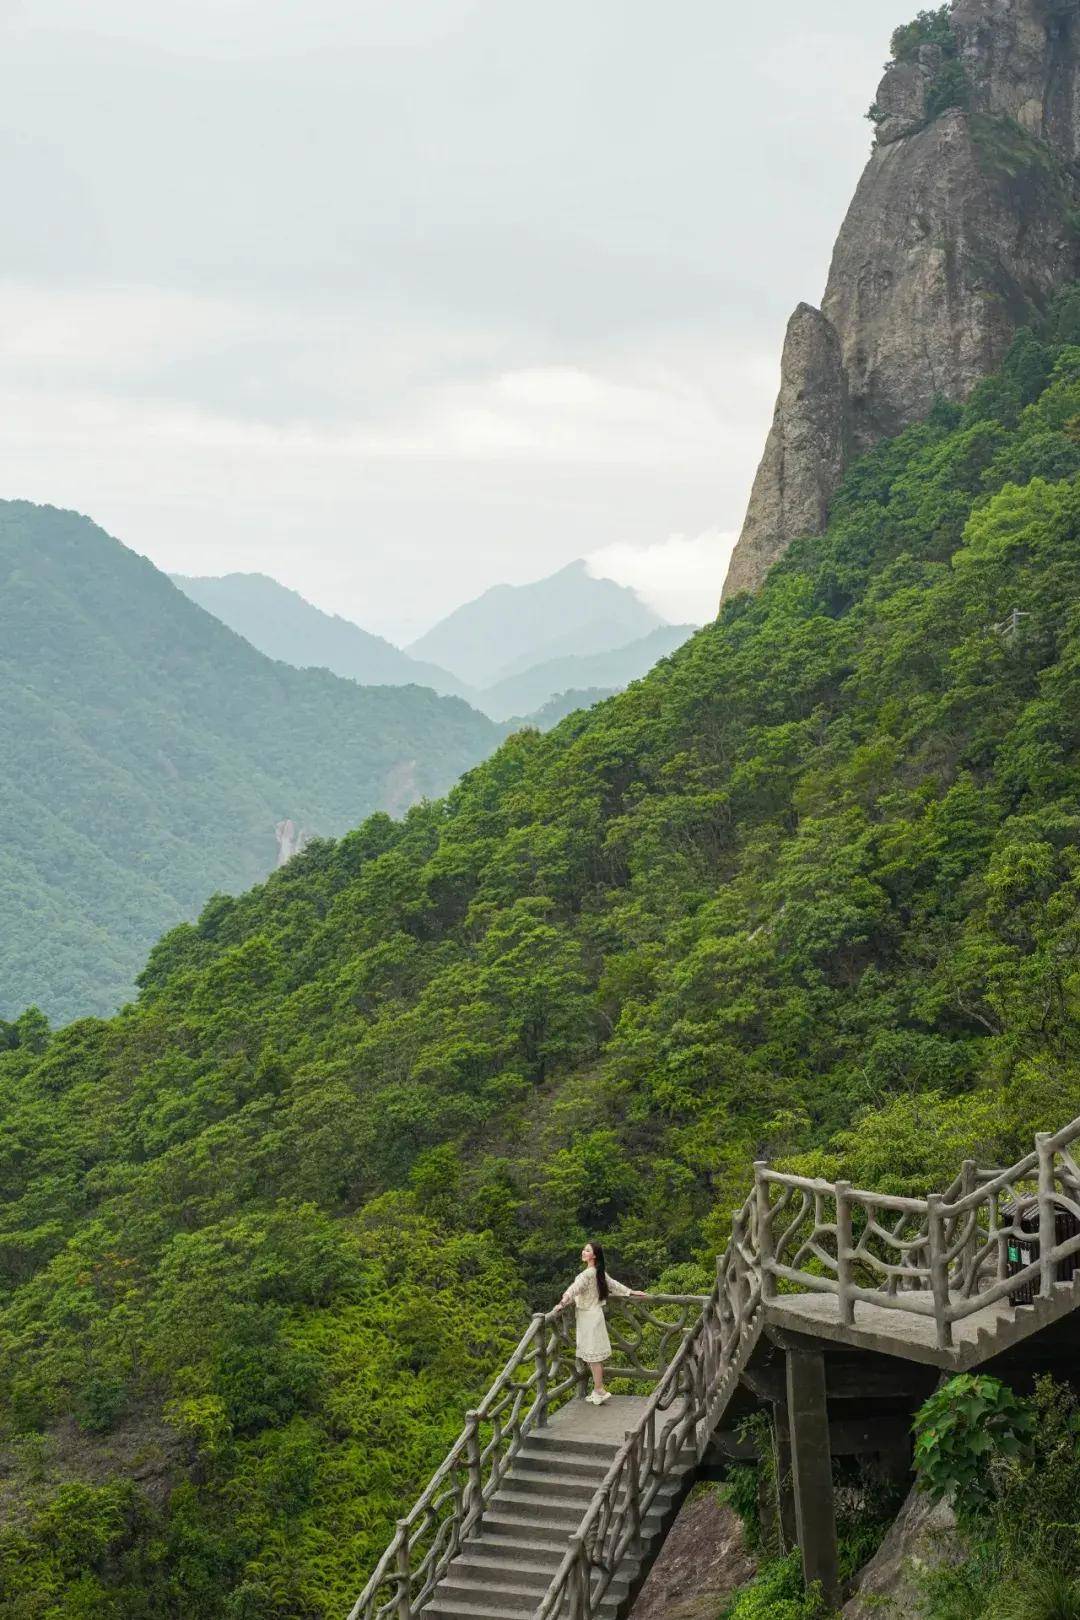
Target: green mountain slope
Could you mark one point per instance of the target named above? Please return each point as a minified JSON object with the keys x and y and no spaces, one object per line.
{"x":528,"y":690}
{"x":810,"y":889}
{"x":283,"y":625}
{"x":511,"y":627}
{"x":150,"y":753}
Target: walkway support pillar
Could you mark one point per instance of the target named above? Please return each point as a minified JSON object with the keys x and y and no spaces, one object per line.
{"x":811,"y":1468}
{"x":785,"y":1494}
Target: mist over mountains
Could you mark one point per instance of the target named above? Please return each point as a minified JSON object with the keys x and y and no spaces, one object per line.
{"x":510,"y":653}
{"x":511,"y":627}
{"x":283,"y":624}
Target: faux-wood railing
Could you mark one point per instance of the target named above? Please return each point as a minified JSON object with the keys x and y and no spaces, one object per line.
{"x":944,"y":1256}
{"x":540,"y":1375}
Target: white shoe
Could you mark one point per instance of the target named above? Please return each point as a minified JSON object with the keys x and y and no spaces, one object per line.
{"x":602,"y":1396}
{"x":592,"y":1399}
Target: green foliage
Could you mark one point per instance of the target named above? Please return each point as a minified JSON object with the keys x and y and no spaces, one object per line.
{"x":810,"y":890}
{"x":1047,"y":1594}
{"x":929,"y":39}
{"x":961,"y":1431}
{"x":150,"y":753}
{"x":1023,"y":1544}
{"x":927,"y":28}
{"x":778,"y":1593}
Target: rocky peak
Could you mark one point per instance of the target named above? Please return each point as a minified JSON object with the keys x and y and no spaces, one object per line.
{"x":959,"y":232}
{"x":1020,"y":59}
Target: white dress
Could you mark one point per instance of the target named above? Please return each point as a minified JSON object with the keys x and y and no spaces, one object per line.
{"x":593,"y":1343}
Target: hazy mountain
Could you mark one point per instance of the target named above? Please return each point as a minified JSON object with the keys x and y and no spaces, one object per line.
{"x":511,"y":627}
{"x":529,"y":690}
{"x":558,"y":707}
{"x":282,"y":624}
{"x":150,"y":755}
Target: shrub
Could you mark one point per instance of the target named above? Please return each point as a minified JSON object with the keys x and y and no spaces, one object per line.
{"x":928,"y":28}
{"x":777,"y":1593}
{"x":948,"y":86}
{"x":1048,"y":1595}
{"x":963,"y":1427}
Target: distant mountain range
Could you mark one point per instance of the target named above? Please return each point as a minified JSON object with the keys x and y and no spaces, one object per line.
{"x":567,"y":634}
{"x":607,"y":671}
{"x":152,"y":756}
{"x":282,"y":624}
{"x":511,"y":627}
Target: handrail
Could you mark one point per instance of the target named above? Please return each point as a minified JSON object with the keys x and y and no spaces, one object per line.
{"x":945,"y":1256}
{"x":541,"y":1372}
{"x":708,"y":1360}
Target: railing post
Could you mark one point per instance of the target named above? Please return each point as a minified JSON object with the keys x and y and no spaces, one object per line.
{"x":743,"y":1283}
{"x":1000,"y":1236}
{"x":404,"y":1597}
{"x":939,"y":1270}
{"x":633,"y":1490}
{"x":1047,"y":1216}
{"x":581,"y":1377}
{"x":766,"y":1247}
{"x":579,"y":1581}
{"x":540,"y":1362}
{"x":845,"y":1251}
{"x":474,"y":1507}
{"x":968,"y":1183}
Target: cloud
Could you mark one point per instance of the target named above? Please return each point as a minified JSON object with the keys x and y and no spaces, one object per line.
{"x":680,"y":576}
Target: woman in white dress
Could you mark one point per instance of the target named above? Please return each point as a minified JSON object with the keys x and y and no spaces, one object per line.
{"x":588,"y":1293}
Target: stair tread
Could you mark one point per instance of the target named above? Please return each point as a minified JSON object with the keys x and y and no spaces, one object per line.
{"x":557,"y":1541}
{"x":554,"y":1483}
{"x":462,"y":1582}
{"x":516,"y":1577}
{"x":507,"y":1497}
{"x":452,"y":1605}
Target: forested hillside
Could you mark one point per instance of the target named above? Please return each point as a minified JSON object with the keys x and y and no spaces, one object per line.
{"x":149,"y":755}
{"x":810,"y":889}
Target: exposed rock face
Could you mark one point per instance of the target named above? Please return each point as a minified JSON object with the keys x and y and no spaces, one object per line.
{"x":959,"y":232}
{"x":805,"y":452}
{"x":290,"y":840}
{"x":922,"y":1537}
{"x":702,"y":1562}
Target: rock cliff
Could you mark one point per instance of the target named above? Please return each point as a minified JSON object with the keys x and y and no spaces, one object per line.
{"x":961,"y":229}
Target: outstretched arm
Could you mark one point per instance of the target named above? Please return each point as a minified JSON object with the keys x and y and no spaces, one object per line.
{"x":618,"y":1288}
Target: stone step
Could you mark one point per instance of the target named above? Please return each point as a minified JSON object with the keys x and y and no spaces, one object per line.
{"x":554,"y":1508}
{"x":527,"y":1573}
{"x":452,"y":1608}
{"x":552,"y":1482}
{"x":530,"y":1555}
{"x":573,"y":1446}
{"x":542,"y":1459}
{"x":503,"y":1592}
{"x":527,"y":1528}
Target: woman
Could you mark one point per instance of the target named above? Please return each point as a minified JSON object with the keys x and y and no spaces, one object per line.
{"x":589,"y":1290}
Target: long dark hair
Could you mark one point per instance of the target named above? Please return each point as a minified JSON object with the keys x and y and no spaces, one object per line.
{"x":601,"y":1273}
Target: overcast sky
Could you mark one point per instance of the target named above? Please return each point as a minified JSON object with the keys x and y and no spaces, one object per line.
{"x":397,"y":299}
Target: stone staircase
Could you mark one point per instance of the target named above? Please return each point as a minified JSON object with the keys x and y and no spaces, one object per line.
{"x":551,"y":1508}
{"x":503,"y":1572}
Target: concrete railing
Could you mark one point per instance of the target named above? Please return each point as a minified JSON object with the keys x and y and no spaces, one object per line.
{"x":646,"y":1339}
{"x":681,"y":1413}
{"x":944,"y":1256}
